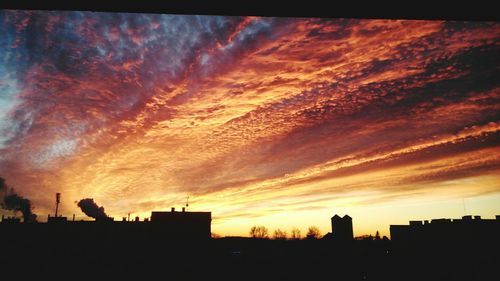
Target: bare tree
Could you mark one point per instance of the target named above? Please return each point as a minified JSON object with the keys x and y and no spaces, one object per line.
{"x":259,"y":232}
{"x":279,"y":234}
{"x":295,"y":233}
{"x":313,"y":233}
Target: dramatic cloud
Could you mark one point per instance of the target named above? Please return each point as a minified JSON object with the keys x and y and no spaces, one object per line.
{"x":251,"y":117}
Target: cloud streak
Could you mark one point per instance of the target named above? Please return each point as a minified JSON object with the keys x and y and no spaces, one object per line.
{"x":139,"y":110}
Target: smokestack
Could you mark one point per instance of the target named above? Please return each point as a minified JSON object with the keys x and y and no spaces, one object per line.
{"x":73,"y":217}
{"x":91,"y":209}
{"x":58,"y":200}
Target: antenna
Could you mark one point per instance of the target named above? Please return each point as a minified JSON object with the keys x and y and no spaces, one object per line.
{"x":187,"y":201}
{"x":58,"y":200}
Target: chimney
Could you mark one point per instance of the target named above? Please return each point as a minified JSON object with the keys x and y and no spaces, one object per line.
{"x":58,"y":200}
{"x":173,"y":209}
{"x":183,"y":209}
{"x":137,"y":218}
{"x":73,"y":217}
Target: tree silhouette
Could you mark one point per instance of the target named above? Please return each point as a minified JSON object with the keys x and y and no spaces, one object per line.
{"x":313,"y":233}
{"x":295,"y":233}
{"x":259,"y":232}
{"x":377,"y":236}
{"x":279,"y":234}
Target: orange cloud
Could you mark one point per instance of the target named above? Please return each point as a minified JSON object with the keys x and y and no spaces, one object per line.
{"x":252,"y":117}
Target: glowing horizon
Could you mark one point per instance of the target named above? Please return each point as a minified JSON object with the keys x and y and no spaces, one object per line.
{"x":281,"y":122}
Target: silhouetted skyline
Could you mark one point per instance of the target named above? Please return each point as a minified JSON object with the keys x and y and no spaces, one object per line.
{"x":179,"y":245}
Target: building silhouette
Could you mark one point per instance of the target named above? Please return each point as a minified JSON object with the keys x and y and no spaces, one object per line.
{"x":176,"y":243}
{"x":447,"y":249}
{"x":466,"y":228}
{"x":9,"y":220}
{"x":167,"y":225}
{"x":55,"y":219}
{"x":197,"y":224}
{"x":342,"y":228}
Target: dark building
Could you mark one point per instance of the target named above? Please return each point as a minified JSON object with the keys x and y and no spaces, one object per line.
{"x":167,"y":225}
{"x":58,"y":219}
{"x":342,"y":227}
{"x":10,"y":219}
{"x":447,"y":249}
{"x":191,"y":224}
{"x":166,"y":242}
{"x":466,"y":228}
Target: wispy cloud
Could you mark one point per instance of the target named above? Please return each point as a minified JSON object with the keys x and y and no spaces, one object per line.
{"x":137,"y":111}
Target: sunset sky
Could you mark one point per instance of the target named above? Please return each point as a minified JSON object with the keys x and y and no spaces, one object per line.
{"x":281,"y":122}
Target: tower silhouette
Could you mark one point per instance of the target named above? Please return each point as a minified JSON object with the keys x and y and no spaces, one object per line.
{"x":342,"y":227}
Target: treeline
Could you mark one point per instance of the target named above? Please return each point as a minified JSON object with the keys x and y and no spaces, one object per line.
{"x":261,"y":232}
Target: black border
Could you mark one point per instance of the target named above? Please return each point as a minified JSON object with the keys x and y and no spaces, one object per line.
{"x":432,"y":10}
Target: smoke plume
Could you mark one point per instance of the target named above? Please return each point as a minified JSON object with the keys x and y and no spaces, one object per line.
{"x":91,"y":209}
{"x":9,"y":200}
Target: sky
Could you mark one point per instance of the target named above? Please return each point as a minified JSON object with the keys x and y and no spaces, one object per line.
{"x":281,"y":122}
